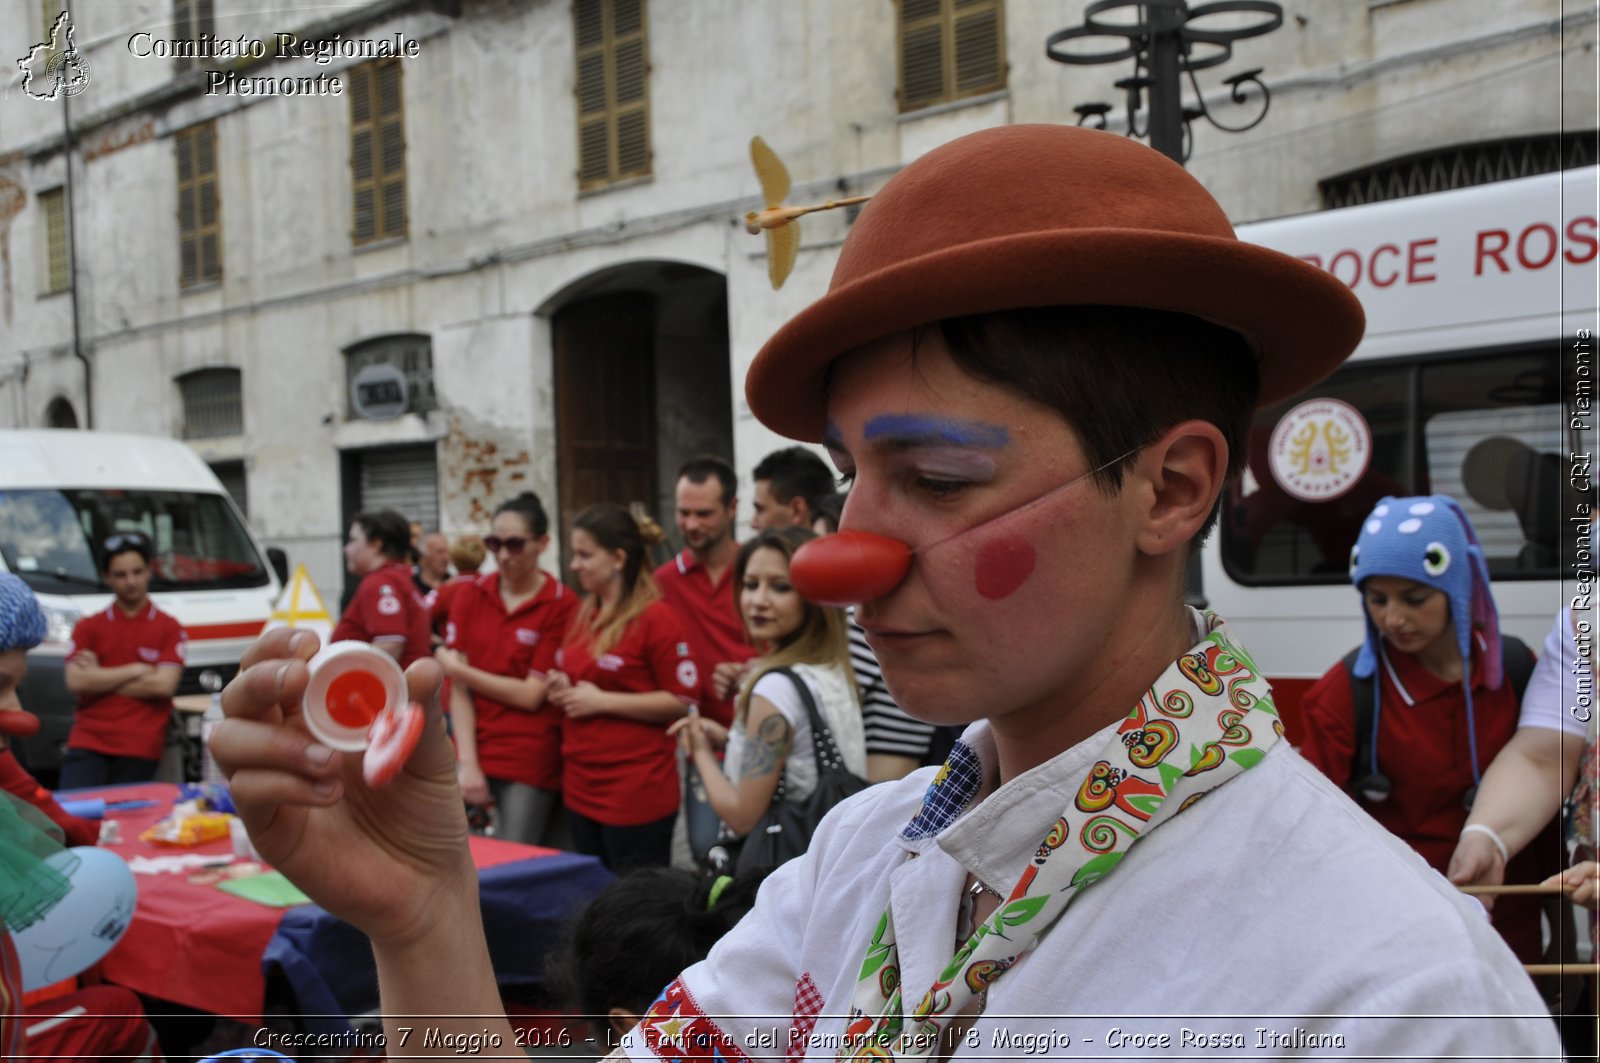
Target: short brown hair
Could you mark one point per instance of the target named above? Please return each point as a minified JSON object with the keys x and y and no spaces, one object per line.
{"x":1119,"y":376}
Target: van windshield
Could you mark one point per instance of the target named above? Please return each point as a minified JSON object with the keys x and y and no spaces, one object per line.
{"x":52,"y":538}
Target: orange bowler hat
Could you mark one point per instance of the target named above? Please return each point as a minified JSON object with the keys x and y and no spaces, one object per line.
{"x":1050,"y":215}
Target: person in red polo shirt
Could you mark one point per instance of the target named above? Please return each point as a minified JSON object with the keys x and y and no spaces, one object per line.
{"x":698,"y":583}
{"x":501,"y":641}
{"x":124,"y":666}
{"x":386,"y":610}
{"x":626,"y":672}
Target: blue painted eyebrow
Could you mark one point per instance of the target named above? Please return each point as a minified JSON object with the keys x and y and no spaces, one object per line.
{"x":914,"y":430}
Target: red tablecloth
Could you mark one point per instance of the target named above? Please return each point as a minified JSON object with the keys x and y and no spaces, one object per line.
{"x":197,"y":945}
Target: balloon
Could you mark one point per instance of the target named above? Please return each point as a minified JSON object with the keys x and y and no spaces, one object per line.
{"x":85,"y":924}
{"x":849,"y":567}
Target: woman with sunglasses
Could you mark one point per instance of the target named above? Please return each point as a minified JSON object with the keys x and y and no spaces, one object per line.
{"x":771,"y":737}
{"x":625,"y":673}
{"x":500,"y":643}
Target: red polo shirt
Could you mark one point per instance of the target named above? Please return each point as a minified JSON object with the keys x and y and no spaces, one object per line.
{"x":513,"y":744}
{"x":615,"y":770}
{"x":1422,"y":748}
{"x":443,"y":598}
{"x":387,"y":608}
{"x":112,"y":723}
{"x":710,"y":615}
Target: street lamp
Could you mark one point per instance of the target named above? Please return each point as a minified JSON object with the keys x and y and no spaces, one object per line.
{"x":1167,"y":39}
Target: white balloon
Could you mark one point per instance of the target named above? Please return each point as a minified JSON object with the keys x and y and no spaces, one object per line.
{"x":85,"y":924}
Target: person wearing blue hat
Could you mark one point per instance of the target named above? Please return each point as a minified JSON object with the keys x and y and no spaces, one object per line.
{"x":98,"y":1022}
{"x":1411,"y":719}
{"x":22,"y":627}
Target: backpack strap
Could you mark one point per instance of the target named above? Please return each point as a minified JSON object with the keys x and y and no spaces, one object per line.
{"x":1517,"y":661}
{"x":1364,"y":697}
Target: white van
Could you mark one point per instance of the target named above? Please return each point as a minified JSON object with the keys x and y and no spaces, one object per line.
{"x":1475,"y":379}
{"x":62,"y":492}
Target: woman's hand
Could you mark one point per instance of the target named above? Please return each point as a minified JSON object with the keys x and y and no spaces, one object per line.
{"x":579,"y":699}
{"x":1581,"y":882}
{"x":1476,"y":862}
{"x":391,"y":861}
{"x":726,"y":677}
{"x":695,"y":732}
{"x":554,"y":683}
{"x":450,"y":661}
{"x":474,"y":784}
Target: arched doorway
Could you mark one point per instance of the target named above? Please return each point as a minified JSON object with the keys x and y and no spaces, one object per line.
{"x":642,"y":383}
{"x":60,"y":414}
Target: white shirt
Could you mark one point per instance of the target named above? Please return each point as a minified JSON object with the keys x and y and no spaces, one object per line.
{"x":1273,"y":909}
{"x":1559,"y":677}
{"x":836,"y":702}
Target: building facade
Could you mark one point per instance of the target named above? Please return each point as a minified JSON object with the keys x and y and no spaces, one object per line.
{"x":432,"y":253}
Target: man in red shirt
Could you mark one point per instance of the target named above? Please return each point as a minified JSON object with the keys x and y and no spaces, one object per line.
{"x":124,"y":666}
{"x":698,"y":583}
{"x":386,"y":610}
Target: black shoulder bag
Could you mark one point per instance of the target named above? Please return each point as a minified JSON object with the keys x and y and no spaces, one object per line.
{"x":785,"y":830}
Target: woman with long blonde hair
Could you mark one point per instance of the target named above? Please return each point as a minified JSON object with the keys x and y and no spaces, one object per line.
{"x":771,"y":737}
{"x":624,"y":673}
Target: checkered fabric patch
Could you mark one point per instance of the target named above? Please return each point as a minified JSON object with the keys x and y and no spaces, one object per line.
{"x":948,"y":796}
{"x":807,"y":1006}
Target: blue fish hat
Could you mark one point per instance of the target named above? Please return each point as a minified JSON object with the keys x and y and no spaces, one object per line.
{"x":22,"y":624}
{"x":1429,"y":540}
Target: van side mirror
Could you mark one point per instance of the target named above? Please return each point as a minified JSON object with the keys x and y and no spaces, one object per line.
{"x":280,"y":563}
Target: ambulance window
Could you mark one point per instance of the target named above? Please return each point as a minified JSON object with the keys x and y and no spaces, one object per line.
{"x":1483,"y":428}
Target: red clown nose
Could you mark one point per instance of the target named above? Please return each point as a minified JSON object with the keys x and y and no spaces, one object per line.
{"x":849,"y":567}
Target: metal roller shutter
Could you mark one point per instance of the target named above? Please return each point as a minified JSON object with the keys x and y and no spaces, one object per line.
{"x":404,"y":479}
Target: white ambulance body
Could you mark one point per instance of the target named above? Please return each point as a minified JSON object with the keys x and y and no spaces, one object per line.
{"x":62,"y":493}
{"x":1475,"y":379}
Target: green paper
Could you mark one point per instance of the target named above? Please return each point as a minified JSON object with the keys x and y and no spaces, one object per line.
{"x":269,"y":888}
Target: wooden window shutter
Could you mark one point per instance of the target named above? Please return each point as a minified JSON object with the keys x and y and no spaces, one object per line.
{"x":53,"y":205}
{"x":377,"y":152}
{"x":612,"y":90}
{"x":949,"y":49}
{"x":979,"y":66}
{"x":199,"y":206}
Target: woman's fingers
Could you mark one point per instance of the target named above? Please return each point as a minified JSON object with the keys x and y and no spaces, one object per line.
{"x":272,"y":676}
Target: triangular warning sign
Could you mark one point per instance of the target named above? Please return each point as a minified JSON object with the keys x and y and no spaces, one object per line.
{"x":301,"y":606}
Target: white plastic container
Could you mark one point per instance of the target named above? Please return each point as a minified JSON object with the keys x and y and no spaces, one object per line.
{"x":351,"y":684}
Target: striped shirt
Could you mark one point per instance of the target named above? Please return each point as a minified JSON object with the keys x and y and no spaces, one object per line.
{"x":889,"y":730}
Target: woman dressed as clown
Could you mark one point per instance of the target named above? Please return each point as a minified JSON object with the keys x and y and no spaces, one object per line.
{"x":1409,"y":722}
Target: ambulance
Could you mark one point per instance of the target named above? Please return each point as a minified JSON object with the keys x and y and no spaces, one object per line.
{"x":63,"y":493}
{"x":1475,"y":379}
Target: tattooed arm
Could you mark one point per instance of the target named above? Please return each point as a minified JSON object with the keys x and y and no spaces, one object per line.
{"x":768,"y":738}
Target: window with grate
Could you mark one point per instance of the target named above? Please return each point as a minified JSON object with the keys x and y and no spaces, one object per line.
{"x":57,"y":247}
{"x":212,"y":403}
{"x":377,"y":152}
{"x":1460,"y":167}
{"x":191,"y":21}
{"x":613,"y":91}
{"x":199,"y":206}
{"x":950,"y":49}
{"x":411,"y":354}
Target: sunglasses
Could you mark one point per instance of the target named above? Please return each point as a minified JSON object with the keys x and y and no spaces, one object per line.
{"x":513,"y":543}
{"x":115,"y":544}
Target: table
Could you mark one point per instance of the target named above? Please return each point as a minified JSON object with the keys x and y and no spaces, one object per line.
{"x":200,"y":947}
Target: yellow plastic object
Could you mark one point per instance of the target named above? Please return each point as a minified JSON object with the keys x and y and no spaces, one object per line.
{"x":188,"y":830}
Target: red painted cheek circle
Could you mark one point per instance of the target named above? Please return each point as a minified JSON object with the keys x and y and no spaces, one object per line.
{"x":354,"y":699}
{"x":1004,"y":564}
